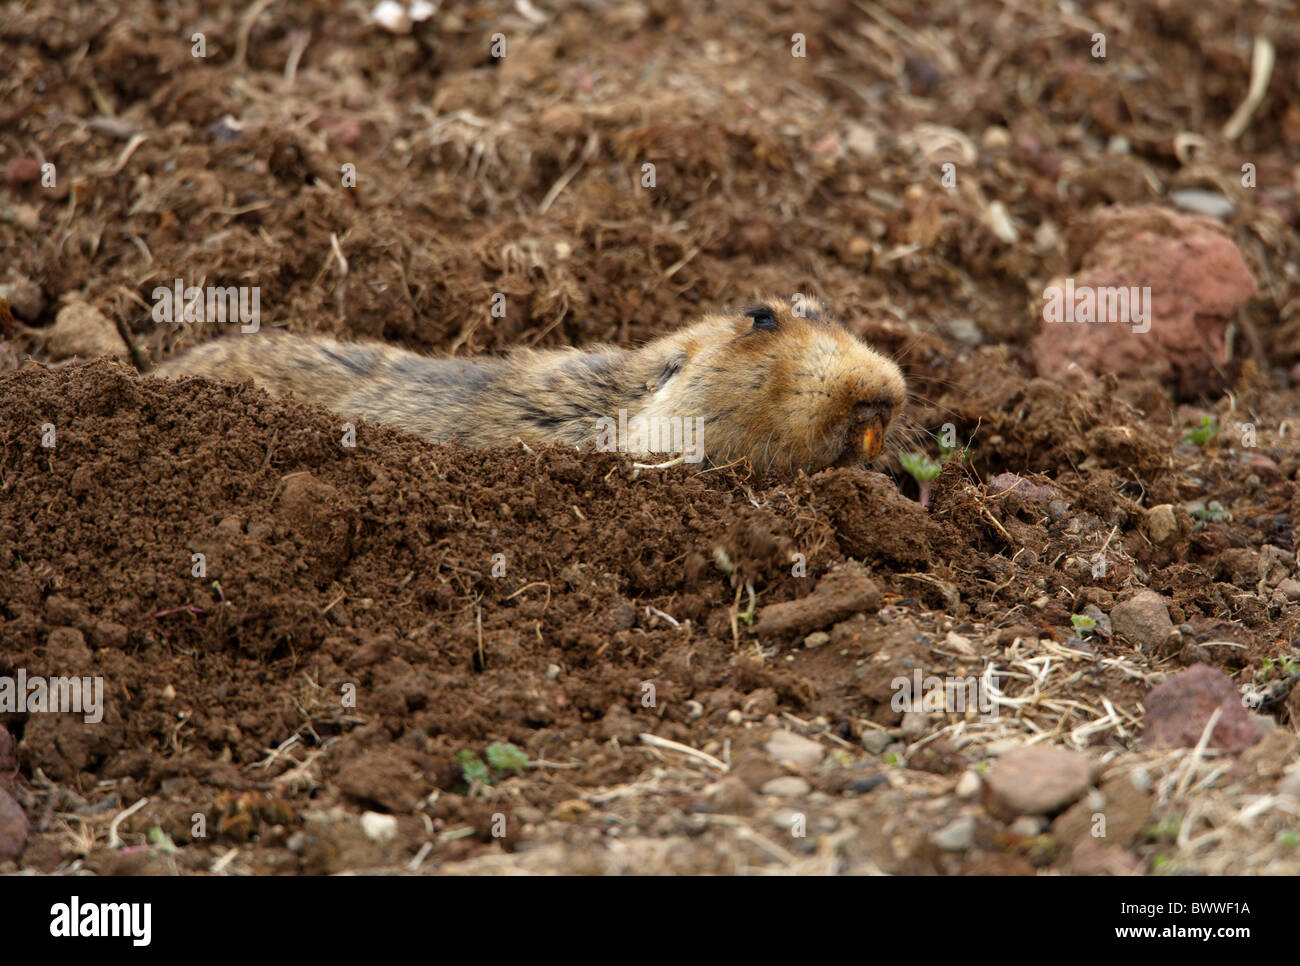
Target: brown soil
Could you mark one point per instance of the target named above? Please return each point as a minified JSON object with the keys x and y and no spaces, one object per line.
{"x":366,"y":614}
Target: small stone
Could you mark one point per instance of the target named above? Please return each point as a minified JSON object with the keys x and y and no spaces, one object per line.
{"x":998,"y":221}
{"x":864,"y":785}
{"x":1179,"y":709}
{"x":816,"y":639}
{"x":800,"y":751}
{"x":734,"y":717}
{"x":22,"y":170}
{"x":1036,"y":780}
{"x":968,"y":785}
{"x":552,"y":672}
{"x":1202,"y":202}
{"x":1265,"y":722}
{"x":915,"y":724}
{"x":13,"y":828}
{"x":876,"y":741}
{"x":786,"y":787}
{"x":26,"y":217}
{"x":381,"y":829}
{"x":80,"y":329}
{"x":1095,"y":857}
{"x":1027,"y":826}
{"x":957,"y":835}
{"x":1143,"y":619}
{"x":1290,"y":589}
{"x":995,"y":137}
{"x":392,"y":16}
{"x":1162,"y":525}
{"x":965,"y":332}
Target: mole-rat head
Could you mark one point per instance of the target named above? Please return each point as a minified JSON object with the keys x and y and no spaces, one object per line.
{"x":791,"y":388}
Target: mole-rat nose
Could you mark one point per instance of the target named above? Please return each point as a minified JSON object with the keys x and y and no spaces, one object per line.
{"x":867,"y":412}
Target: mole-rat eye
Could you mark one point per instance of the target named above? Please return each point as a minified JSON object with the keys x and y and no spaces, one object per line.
{"x":764,"y":318}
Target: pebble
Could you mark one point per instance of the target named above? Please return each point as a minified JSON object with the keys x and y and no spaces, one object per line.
{"x":915,"y":724}
{"x":788,"y":746}
{"x":13,"y":828}
{"x":1027,"y":826}
{"x":1036,"y":780}
{"x":1290,"y":589}
{"x":788,"y":786}
{"x":1162,"y":525}
{"x":957,"y":836}
{"x":867,"y":784}
{"x":1201,"y":202}
{"x":82,"y":330}
{"x":968,"y":785}
{"x":381,"y":829}
{"x":1143,"y":619}
{"x":1179,"y":709}
{"x":816,"y":639}
{"x":876,"y":741}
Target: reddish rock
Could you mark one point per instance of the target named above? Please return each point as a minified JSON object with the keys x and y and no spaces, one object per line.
{"x":1035,"y":780}
{"x":1197,"y":279}
{"x":22,"y":170}
{"x":13,"y":828}
{"x":1179,"y":709}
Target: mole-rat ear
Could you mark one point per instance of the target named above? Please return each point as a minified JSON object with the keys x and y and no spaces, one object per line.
{"x":764,"y":318}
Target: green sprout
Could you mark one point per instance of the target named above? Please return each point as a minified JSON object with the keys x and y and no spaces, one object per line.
{"x":506,"y":758}
{"x":1083,"y":624}
{"x":503,"y":760}
{"x":923,"y":470}
{"x":473,"y":769}
{"x":1202,"y":434}
{"x":1212,"y":511}
{"x":161,"y":840}
{"x":1289,"y":840}
{"x":1288,"y":666}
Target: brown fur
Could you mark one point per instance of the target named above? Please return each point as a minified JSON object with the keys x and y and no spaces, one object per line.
{"x":796,"y":396}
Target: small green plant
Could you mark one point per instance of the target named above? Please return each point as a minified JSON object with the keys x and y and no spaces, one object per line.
{"x":161,"y":840}
{"x":1202,"y":434}
{"x":1166,"y":830}
{"x":1083,"y":624}
{"x":1287,"y":665}
{"x":1289,"y":840}
{"x":923,"y":470}
{"x":1212,"y":512}
{"x":503,"y":760}
{"x":506,"y":758}
{"x":473,"y":769}
{"x":893,"y":759}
